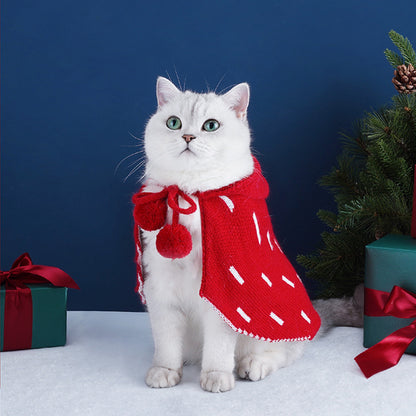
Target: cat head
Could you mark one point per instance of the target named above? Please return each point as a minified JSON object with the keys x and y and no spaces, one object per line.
{"x":198,"y":141}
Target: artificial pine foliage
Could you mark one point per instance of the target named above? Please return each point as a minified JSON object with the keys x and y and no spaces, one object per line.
{"x":408,"y":55}
{"x":372,"y":185}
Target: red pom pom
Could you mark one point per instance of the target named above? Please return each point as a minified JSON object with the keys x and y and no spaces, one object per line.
{"x":151,"y":215}
{"x":174,"y":241}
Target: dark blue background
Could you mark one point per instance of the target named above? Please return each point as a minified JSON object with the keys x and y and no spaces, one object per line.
{"x":79,"y":76}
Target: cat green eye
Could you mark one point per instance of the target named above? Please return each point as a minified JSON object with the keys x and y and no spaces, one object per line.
{"x":211,"y":125}
{"x":174,"y":123}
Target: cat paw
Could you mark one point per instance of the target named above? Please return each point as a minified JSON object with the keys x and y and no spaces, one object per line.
{"x":217,"y":381}
{"x":160,"y":377}
{"x":254,"y":367}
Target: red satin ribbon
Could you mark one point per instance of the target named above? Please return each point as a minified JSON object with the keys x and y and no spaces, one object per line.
{"x":387,"y":353}
{"x":374,"y":302}
{"x":17,"y":333}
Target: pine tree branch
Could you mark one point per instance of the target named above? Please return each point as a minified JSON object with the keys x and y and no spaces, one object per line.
{"x":343,"y":180}
{"x":394,"y":58}
{"x":372,"y":185}
{"x":405,"y":47}
{"x":357,"y":143}
{"x":329,"y":218}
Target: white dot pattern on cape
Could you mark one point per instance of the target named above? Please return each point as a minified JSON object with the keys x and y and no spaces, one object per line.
{"x":279,"y":320}
{"x":266,"y":279}
{"x":289,"y":282}
{"x":268,"y":239}
{"x":237,"y":276}
{"x":305,"y":317}
{"x":278,"y":246}
{"x":228,"y":202}
{"x":256,"y":224}
{"x":243,"y":314}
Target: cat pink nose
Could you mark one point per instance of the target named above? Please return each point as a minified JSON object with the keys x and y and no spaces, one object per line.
{"x":188,"y":137}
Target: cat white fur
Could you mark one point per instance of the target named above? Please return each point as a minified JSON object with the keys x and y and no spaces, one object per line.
{"x":184,"y":326}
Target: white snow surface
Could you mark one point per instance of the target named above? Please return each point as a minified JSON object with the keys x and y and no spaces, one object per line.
{"x":101,"y":372}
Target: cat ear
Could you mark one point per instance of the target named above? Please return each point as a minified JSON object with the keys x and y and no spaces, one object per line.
{"x":238,"y":98}
{"x":165,"y":91}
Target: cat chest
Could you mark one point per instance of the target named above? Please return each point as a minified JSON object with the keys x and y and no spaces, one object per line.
{"x":177,"y":281}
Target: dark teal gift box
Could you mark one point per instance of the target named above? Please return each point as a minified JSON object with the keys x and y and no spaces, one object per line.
{"x":48,"y":316}
{"x":390,"y":261}
{"x":33,"y":305}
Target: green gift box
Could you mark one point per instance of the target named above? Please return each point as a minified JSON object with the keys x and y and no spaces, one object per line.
{"x":48,"y":316}
{"x":390,"y":261}
{"x":33,"y":305}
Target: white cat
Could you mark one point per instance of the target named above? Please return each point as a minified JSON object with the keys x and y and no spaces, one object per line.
{"x":199,"y":142}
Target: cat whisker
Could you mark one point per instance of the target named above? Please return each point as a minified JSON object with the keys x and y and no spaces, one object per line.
{"x":136,"y":138}
{"x":135,"y":169}
{"x":137,"y":163}
{"x":133,"y":163}
{"x":170,"y":79}
{"x":207,"y":84}
{"x":177,"y":77}
{"x":227,"y":88}
{"x":141,"y":163}
{"x":219,"y":82}
{"x":257,"y":153}
{"x":124,"y":159}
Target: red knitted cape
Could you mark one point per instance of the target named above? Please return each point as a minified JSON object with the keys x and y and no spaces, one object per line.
{"x":246,"y":276}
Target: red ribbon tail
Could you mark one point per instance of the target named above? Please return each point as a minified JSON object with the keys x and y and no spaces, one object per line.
{"x":18,"y":325}
{"x":386,"y":353}
{"x":52,"y":275}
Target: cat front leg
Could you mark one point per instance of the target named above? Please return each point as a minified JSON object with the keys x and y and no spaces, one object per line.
{"x":218,"y":354}
{"x":168,"y":328}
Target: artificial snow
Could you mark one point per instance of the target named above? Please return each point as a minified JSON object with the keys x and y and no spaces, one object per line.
{"x":101,"y":372}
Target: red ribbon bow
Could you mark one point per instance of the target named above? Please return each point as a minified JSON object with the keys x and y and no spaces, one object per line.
{"x":387,"y":353}
{"x":150,"y":207}
{"x":24,"y":271}
{"x":174,"y":240}
{"x":18,"y":305}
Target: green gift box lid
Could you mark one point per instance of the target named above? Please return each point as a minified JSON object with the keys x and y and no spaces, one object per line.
{"x":389,"y":261}
{"x":49,"y":315}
